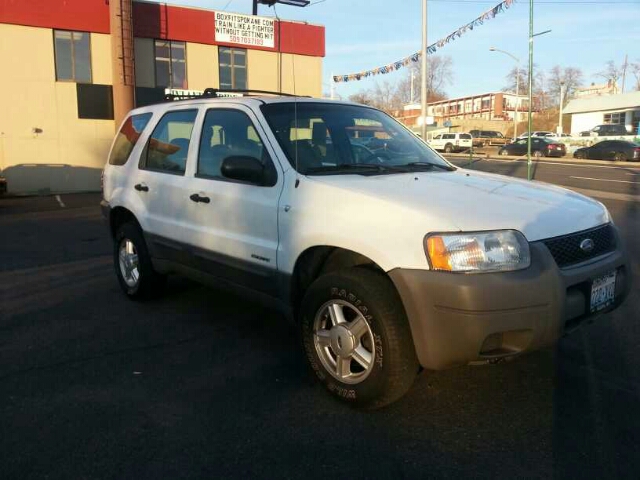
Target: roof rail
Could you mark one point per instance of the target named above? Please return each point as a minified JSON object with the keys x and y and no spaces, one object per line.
{"x":220,"y":93}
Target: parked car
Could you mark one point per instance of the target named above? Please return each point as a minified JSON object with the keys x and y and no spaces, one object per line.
{"x":537,"y":134}
{"x":540,"y":147}
{"x":605,"y":130}
{"x":451,"y":142}
{"x":618,"y":150}
{"x":393,"y":262}
{"x":487,"y":137}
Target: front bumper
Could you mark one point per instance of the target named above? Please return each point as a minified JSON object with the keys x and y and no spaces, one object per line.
{"x":456,"y":319}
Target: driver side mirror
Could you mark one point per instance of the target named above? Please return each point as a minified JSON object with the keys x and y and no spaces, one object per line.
{"x":244,"y":169}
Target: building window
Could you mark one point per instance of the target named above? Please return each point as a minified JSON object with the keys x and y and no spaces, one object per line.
{"x":233,"y":68}
{"x":171,"y":64}
{"x":73,"y":56}
{"x":486,"y":103}
{"x":617,"y":118}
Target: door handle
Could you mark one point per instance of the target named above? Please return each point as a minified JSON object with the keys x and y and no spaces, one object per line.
{"x":198,"y":199}
{"x":141,"y":187}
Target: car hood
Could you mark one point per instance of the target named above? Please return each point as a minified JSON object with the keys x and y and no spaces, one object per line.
{"x":476,"y":201}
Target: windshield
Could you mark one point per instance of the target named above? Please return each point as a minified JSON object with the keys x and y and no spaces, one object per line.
{"x":333,"y":139}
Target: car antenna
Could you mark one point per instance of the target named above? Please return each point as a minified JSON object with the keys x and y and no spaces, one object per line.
{"x":295,"y":98}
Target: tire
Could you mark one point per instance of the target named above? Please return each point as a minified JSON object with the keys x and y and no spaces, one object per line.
{"x":448,"y":148}
{"x":538,"y":154}
{"x":503,"y":152}
{"x":580,"y":156}
{"x":139,"y":280}
{"x":369,"y":302}
{"x":620,"y":157}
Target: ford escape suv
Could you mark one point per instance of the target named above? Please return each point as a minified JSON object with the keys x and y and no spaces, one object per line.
{"x":387,"y":257}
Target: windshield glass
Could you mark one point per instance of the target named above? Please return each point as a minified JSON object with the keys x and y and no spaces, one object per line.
{"x":333,"y":138}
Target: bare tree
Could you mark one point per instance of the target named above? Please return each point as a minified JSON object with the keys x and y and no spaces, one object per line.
{"x":570,"y":76}
{"x":612,"y":73}
{"x":439,"y":76}
{"x":522,"y":76}
{"x":389,"y":97}
{"x":635,"y":70}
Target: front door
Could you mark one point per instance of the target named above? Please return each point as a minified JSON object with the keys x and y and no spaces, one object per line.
{"x":233,"y":226}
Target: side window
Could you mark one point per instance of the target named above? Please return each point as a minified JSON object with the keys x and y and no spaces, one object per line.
{"x":127,"y":138}
{"x":437,"y":137}
{"x":168,"y":145}
{"x":229,"y":133}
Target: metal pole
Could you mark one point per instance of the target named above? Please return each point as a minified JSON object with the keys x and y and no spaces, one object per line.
{"x":530,"y":88}
{"x":412,"y":79}
{"x":424,"y":71}
{"x":333,"y":88}
{"x":562,"y":89}
{"x":255,"y":7}
{"x":515,"y":115}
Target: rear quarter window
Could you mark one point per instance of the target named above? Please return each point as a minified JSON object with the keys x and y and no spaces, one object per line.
{"x":127,"y":138}
{"x":465,"y":136}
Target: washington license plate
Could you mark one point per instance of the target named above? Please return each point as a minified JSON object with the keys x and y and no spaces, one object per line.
{"x":603,"y":292}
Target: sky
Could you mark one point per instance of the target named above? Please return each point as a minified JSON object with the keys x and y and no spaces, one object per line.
{"x":364,"y":34}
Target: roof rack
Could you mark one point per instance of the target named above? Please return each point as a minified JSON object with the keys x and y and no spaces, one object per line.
{"x":219,"y":93}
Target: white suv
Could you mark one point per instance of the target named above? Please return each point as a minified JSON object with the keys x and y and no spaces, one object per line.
{"x":451,"y":142}
{"x":388,"y":257}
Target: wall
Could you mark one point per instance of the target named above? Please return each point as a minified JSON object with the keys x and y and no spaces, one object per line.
{"x":581,"y":122}
{"x":69,"y":153}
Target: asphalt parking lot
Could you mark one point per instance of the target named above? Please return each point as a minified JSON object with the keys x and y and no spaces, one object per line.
{"x":203,"y":384}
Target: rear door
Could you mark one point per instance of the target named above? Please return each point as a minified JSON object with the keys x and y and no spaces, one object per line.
{"x":161,"y":183}
{"x":231,"y":226}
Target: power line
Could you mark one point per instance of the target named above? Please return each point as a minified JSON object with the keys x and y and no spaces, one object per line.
{"x":555,"y":2}
{"x":227,"y":5}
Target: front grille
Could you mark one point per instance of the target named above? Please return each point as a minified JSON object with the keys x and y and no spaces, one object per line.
{"x":566,"y":250}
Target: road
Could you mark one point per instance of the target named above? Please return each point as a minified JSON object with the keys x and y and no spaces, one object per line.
{"x":203,"y":384}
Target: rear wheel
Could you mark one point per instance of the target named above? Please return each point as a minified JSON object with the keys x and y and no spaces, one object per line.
{"x":132,"y":262}
{"x":503,"y":152}
{"x":357,"y":338}
{"x":620,"y":157}
{"x":538,"y":154}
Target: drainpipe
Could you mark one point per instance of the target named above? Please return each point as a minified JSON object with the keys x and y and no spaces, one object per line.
{"x":122,"y":61}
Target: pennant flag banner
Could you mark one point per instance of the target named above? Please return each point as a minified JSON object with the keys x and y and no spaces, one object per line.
{"x":431,"y":49}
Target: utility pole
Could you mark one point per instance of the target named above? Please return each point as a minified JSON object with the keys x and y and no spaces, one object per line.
{"x":412,"y":78}
{"x":333,"y":88}
{"x":624,"y":71}
{"x":530,"y":89}
{"x":255,"y":7}
{"x":562,"y":90}
{"x":423,"y":87}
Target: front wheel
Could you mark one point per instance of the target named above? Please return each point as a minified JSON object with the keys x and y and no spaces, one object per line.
{"x":357,"y":339}
{"x":579,"y":156}
{"x":503,"y":152}
{"x":132,"y":263}
{"x":448,"y":148}
{"x":620,"y":157}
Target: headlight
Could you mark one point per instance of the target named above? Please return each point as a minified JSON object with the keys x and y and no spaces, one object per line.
{"x":500,"y":251}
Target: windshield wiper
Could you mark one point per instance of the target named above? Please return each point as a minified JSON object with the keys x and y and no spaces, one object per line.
{"x":429,"y":165}
{"x":355,"y":166}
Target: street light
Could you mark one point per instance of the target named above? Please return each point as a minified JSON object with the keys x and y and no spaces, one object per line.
{"x":562,"y":90}
{"x":270,"y":3}
{"x":515,"y":115}
{"x":529,"y":116}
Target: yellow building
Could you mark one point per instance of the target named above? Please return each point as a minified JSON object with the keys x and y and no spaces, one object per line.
{"x":57,"y":115}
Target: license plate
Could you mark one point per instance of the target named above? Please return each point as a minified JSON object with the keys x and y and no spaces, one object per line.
{"x":603,"y":292}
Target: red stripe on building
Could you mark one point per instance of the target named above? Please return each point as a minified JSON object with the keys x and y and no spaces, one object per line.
{"x":80,"y":15}
{"x":151,"y":20}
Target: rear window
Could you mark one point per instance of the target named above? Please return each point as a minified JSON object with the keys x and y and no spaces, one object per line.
{"x":127,"y":138}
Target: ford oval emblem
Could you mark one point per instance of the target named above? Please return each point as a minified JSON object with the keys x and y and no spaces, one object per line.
{"x":587,"y":245}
